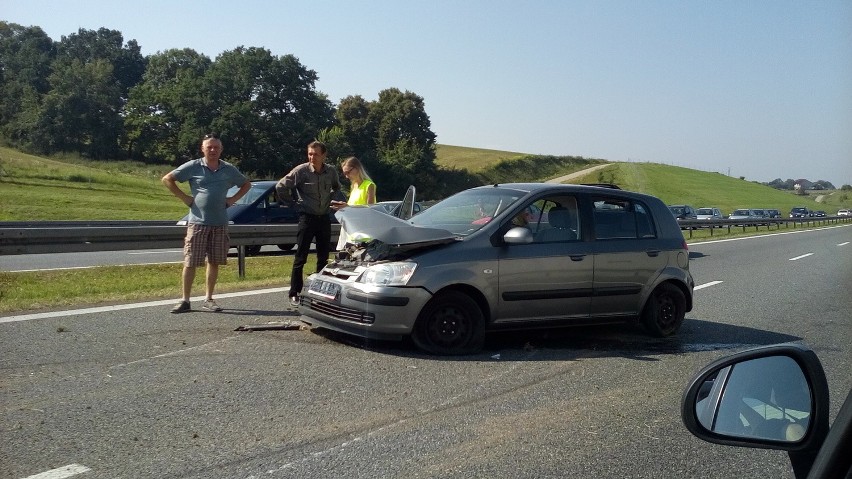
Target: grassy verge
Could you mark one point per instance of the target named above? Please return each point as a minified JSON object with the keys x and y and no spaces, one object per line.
{"x":40,"y":290}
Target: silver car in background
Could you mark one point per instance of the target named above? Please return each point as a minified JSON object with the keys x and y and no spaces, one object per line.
{"x":509,"y":256}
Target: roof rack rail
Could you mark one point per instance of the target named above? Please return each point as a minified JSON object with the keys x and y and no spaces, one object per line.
{"x":603,"y":185}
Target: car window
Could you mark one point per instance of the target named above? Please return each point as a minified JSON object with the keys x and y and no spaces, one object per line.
{"x":556,"y":220}
{"x":468,"y":211}
{"x":617,"y":218}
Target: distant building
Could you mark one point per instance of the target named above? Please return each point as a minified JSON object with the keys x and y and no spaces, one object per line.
{"x":805,"y":184}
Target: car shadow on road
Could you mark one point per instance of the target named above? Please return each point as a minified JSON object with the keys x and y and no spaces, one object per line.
{"x":574,"y":343}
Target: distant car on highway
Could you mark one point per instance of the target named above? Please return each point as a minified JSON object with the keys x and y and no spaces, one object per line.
{"x":773,"y":213}
{"x":743,"y":214}
{"x":683,"y":212}
{"x":844,"y":212}
{"x":819,"y":214}
{"x":800,"y":212}
{"x":709,"y":214}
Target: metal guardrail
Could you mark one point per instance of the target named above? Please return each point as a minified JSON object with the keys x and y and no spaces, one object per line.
{"x":757,"y":223}
{"x":87,"y":236}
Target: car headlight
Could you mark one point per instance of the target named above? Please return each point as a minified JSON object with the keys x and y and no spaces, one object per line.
{"x":388,"y":274}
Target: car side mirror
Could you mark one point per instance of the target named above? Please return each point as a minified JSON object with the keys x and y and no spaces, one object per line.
{"x":774,"y":397}
{"x":518,"y":235}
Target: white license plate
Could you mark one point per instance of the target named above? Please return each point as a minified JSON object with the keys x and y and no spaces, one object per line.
{"x":324,"y":289}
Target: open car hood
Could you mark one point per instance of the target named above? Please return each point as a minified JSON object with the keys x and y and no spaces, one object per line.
{"x":369,"y":224}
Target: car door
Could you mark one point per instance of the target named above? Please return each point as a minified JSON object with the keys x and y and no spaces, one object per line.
{"x":275,"y":212}
{"x":627,"y":256}
{"x":551,"y":278}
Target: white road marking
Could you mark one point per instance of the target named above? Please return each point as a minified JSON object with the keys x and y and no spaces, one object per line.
{"x":157,"y":252}
{"x":118,"y":307}
{"x":843,"y":244}
{"x":61,"y":472}
{"x":706,"y":285}
{"x":746,"y":238}
{"x":91,"y":267}
{"x":802,"y":256}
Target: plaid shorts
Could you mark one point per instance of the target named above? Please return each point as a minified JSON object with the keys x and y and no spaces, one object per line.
{"x":205,"y":242}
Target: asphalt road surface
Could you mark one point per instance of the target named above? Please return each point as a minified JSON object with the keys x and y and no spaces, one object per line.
{"x":131,"y":391}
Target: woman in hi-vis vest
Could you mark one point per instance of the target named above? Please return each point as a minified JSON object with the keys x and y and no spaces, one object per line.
{"x":363,"y":191}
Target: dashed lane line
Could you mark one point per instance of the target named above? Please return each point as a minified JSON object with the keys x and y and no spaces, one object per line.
{"x":707,"y":285}
{"x":61,"y":472}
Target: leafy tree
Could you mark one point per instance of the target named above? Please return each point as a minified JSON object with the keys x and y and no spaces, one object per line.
{"x":266,"y":107}
{"x":79,"y":114}
{"x":393,"y":138}
{"x":26,"y":54}
{"x":91,"y":75}
{"x":89,"y":46}
{"x":161,"y":116}
{"x":353,"y":117}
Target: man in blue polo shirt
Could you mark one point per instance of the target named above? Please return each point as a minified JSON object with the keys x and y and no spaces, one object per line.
{"x":209,"y":179}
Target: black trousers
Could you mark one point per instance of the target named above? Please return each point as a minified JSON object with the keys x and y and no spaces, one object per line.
{"x":312,"y":229}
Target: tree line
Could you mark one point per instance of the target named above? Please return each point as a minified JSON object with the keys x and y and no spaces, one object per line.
{"x":95,"y":95}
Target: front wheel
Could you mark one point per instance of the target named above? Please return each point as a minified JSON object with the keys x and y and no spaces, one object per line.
{"x":286,"y":246}
{"x":253,"y":249}
{"x":451,"y":323}
{"x":664,"y":311}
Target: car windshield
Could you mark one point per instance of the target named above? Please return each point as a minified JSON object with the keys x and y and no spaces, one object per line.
{"x":678,"y":210}
{"x":467,"y":212}
{"x":740,"y":213}
{"x":704,"y":211}
{"x":256,"y":191}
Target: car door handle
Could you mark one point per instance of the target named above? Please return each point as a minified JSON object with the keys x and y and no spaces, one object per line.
{"x":653,"y":253}
{"x":577,"y":257}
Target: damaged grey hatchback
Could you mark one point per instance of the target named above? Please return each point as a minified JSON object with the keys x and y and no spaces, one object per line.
{"x":509,"y":256}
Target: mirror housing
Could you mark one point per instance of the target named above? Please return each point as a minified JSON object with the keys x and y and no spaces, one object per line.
{"x":773,"y":397}
{"x":518,"y":235}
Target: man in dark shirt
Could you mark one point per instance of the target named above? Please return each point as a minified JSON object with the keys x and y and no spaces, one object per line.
{"x":311,"y":186}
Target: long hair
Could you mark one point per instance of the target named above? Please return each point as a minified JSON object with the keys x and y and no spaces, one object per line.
{"x":355,"y":164}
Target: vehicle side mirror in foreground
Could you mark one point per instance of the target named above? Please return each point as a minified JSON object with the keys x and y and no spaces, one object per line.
{"x":773,"y":397}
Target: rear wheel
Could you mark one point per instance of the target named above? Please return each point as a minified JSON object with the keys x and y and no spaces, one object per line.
{"x":664,"y":311}
{"x":451,"y":323}
{"x":253,"y":249}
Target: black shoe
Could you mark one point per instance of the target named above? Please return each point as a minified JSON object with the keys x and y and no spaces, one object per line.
{"x":181,"y":307}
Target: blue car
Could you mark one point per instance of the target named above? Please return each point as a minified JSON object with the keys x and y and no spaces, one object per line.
{"x":261,"y":206}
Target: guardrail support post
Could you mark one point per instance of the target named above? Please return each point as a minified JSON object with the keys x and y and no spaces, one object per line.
{"x":241,"y":261}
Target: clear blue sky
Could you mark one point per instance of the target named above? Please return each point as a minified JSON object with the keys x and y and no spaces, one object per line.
{"x":759,"y":88}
